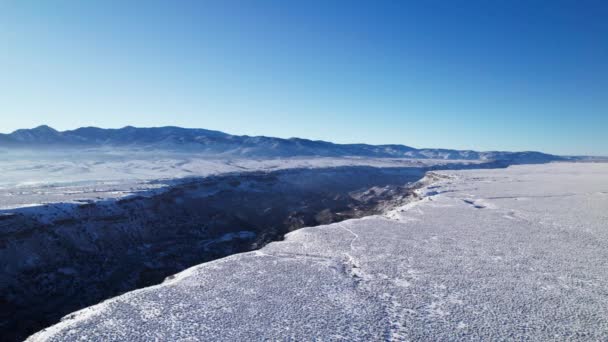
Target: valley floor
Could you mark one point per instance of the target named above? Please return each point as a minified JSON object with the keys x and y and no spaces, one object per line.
{"x":518,"y":253}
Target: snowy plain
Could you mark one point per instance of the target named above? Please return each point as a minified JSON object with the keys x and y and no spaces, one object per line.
{"x":32,"y":178}
{"x":502,"y":254}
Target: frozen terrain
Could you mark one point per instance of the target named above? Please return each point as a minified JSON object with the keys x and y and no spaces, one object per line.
{"x":80,"y":227}
{"x":92,"y":213}
{"x":505,"y":254}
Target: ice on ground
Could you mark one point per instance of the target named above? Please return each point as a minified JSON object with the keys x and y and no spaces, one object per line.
{"x":514,"y":254}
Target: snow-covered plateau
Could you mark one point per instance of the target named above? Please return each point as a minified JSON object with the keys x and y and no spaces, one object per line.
{"x":499,"y":254}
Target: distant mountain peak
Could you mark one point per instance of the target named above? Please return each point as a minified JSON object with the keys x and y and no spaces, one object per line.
{"x":39,"y":135}
{"x":38,"y":129}
{"x":45,"y":128}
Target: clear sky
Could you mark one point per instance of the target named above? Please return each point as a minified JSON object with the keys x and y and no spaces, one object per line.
{"x":507,"y":75}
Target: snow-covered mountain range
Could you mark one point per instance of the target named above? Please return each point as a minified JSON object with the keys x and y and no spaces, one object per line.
{"x":222,"y":144}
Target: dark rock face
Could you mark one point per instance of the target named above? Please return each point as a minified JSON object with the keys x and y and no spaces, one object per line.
{"x":54,"y":265}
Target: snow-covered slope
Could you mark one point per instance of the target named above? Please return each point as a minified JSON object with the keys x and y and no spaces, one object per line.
{"x":221,"y":144}
{"x":513,"y":254}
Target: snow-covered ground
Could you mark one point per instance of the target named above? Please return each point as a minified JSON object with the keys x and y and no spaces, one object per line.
{"x":34,"y":178}
{"x":67,"y":211}
{"x":506,"y":254}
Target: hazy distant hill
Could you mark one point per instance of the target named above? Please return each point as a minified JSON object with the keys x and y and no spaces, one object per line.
{"x":218,"y":143}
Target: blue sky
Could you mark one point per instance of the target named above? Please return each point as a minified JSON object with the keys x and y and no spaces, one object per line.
{"x":507,"y":75}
